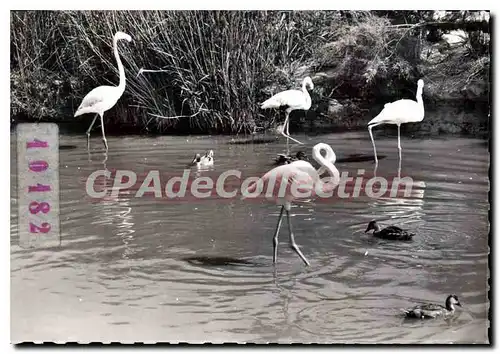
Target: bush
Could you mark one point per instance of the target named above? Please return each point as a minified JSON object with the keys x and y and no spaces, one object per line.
{"x":370,"y":56}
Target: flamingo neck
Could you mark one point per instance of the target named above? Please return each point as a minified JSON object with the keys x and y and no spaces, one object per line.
{"x":306,"y":93}
{"x":419,"y":96}
{"x":121,"y":71}
{"x":304,"y":87}
{"x":327,"y":164}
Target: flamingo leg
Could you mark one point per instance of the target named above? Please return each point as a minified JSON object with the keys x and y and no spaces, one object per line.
{"x":373,"y":141}
{"x":104,"y":161}
{"x":275,"y":238}
{"x":103,"y":135}
{"x":293,"y":245}
{"x":88,"y":131}
{"x":298,"y":142}
{"x":399,"y":141}
{"x":284,"y":131}
{"x":288,"y":125}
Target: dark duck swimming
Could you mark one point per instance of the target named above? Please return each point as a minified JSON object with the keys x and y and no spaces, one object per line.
{"x":434,"y":310}
{"x":284,"y":159}
{"x":389,"y":233}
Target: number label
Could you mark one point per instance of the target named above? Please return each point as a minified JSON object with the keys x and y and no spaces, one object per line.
{"x":38,"y":184}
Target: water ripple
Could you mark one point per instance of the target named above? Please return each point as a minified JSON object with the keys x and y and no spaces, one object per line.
{"x":122,"y":271}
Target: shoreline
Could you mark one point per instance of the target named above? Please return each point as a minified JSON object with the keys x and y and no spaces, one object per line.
{"x":446,"y":120}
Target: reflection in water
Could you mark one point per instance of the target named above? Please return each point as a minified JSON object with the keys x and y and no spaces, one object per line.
{"x":216,"y":261}
{"x":122,"y":271}
{"x":126,"y":228}
{"x":399,"y":207}
{"x":375,"y":167}
{"x":103,"y":161}
{"x":117,"y":214}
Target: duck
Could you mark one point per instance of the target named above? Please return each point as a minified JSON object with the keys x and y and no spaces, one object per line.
{"x":284,"y":159}
{"x":434,"y":310}
{"x":389,"y":233}
{"x":203,"y":161}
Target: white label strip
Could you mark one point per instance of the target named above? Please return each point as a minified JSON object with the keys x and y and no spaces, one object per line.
{"x":38,"y":185}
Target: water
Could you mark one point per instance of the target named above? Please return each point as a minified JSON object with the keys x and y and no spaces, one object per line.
{"x":120,"y":273}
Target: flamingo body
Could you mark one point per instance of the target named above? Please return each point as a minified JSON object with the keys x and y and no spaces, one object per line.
{"x":277,"y":184}
{"x":99,"y":100}
{"x":294,"y":99}
{"x":400,"y":112}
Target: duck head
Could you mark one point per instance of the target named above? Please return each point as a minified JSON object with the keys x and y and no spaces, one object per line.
{"x":452,"y":300}
{"x":372,"y":225}
{"x":301,"y":155}
{"x":197,"y":158}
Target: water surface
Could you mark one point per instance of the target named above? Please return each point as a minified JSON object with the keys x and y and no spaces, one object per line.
{"x":120,"y":273}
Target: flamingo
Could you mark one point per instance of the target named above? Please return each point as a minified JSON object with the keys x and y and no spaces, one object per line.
{"x":307,"y":179}
{"x":103,"y":98}
{"x":293,"y":100}
{"x":399,"y":112}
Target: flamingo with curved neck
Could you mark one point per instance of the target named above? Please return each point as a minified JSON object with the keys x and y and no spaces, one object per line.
{"x":103,"y":98}
{"x":299,"y":177}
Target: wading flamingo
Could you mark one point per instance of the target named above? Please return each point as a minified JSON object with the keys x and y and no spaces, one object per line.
{"x":302,"y":181}
{"x":293,"y":100}
{"x":399,"y":112}
{"x":103,"y":98}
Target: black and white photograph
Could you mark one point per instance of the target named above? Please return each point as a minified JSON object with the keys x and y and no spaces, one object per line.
{"x":250,"y":176}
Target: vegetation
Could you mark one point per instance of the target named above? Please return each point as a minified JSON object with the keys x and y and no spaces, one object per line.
{"x":218,"y":65}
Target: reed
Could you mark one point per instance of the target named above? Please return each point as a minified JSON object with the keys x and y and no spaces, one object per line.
{"x":216,"y":66}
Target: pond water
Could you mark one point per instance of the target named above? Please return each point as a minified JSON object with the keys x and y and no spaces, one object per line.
{"x":121,"y":274}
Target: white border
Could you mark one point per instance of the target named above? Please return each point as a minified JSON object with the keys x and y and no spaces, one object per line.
{"x":178,"y":5}
{"x":253,"y":5}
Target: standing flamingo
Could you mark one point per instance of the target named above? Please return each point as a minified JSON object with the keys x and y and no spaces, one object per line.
{"x":103,"y":98}
{"x":399,"y":112}
{"x":298,"y":176}
{"x":293,"y":100}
